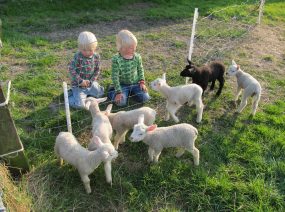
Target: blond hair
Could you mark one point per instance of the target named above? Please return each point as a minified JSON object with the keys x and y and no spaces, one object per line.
{"x":87,"y":41}
{"x":125,"y":38}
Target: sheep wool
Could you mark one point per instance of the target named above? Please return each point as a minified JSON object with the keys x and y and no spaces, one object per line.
{"x":248,"y":84}
{"x":179,"y":135}
{"x":123,"y":121}
{"x":179,"y":95}
{"x":85,"y":161}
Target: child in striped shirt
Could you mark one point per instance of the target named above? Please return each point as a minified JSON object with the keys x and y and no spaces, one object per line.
{"x":127,"y":71}
{"x":84,"y":71}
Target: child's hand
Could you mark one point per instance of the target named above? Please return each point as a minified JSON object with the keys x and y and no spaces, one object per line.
{"x":143,"y":87}
{"x":85,"y":83}
{"x":118,"y":98}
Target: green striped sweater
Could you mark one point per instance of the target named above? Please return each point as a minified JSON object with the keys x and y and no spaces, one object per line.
{"x":126,"y":71}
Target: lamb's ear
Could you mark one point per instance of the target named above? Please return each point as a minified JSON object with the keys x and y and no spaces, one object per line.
{"x":141,"y":119}
{"x":164,"y":76}
{"x":234,"y":63}
{"x":97,"y":141}
{"x":99,"y":100}
{"x":108,"y":109}
{"x":151,"y":128}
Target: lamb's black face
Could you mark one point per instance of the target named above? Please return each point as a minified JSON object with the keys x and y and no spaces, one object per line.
{"x":187,"y":71}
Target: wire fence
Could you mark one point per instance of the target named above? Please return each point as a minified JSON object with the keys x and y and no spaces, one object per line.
{"x":40,"y":114}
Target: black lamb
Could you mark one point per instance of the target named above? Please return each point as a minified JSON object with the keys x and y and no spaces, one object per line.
{"x":205,"y":74}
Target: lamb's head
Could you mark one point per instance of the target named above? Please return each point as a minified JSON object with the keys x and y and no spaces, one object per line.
{"x":156,"y":84}
{"x":92,"y":104}
{"x":140,"y":130}
{"x":233,"y":69}
{"x":107,"y":150}
{"x":189,"y":70}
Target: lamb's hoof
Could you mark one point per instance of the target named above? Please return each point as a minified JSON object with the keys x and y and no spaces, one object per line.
{"x":88,"y":191}
{"x":176,"y":120}
{"x":196,"y":163}
{"x":110,"y":182}
{"x":166,"y":119}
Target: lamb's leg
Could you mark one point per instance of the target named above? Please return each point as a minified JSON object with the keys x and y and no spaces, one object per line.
{"x":167,"y":115}
{"x":196,"y":155}
{"x":123,"y":137}
{"x":199,"y":108}
{"x":86,"y":181}
{"x":172,"y":108}
{"x":190,"y":103}
{"x":60,"y":160}
{"x":237,"y":93}
{"x":117,"y":140}
{"x":108,"y":168}
{"x":255,"y":103}
{"x":204,"y":87}
{"x":150,"y":154}
{"x":243,"y":102}
{"x":180,"y":152}
{"x":156,"y":155}
{"x":222,"y":82}
{"x":212,"y":85}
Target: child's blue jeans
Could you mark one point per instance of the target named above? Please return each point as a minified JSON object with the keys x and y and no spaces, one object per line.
{"x":129,"y":90}
{"x":78,"y":96}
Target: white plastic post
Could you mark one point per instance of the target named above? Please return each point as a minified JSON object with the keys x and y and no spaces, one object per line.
{"x":262,"y":2}
{"x":192,"y":38}
{"x":67,"y":111}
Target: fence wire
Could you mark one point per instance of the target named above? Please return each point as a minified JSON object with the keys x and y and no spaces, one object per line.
{"x":214,"y":39}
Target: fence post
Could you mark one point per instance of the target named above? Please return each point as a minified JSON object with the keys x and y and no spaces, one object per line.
{"x":192,"y":38}
{"x":67,"y":111}
{"x":261,"y":6}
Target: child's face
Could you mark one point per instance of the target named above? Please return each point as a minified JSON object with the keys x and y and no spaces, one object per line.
{"x":87,"y":52}
{"x":128,"y":51}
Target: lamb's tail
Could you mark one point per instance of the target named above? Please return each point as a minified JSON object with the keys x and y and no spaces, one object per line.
{"x":56,"y":150}
{"x":195,"y":131}
{"x":256,"y":94}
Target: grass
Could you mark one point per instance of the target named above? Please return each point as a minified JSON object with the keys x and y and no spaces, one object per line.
{"x":242,"y":157}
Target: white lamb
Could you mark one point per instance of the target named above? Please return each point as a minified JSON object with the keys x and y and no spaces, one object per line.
{"x":179,"y":95}
{"x":179,"y":135}
{"x":101,"y":125}
{"x":123,"y":121}
{"x":250,"y":85}
{"x":85,"y":161}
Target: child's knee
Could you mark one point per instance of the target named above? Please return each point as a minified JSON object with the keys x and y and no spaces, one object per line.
{"x":144,"y":97}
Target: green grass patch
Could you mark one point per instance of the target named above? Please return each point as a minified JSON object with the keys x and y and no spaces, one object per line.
{"x":242,"y":157}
